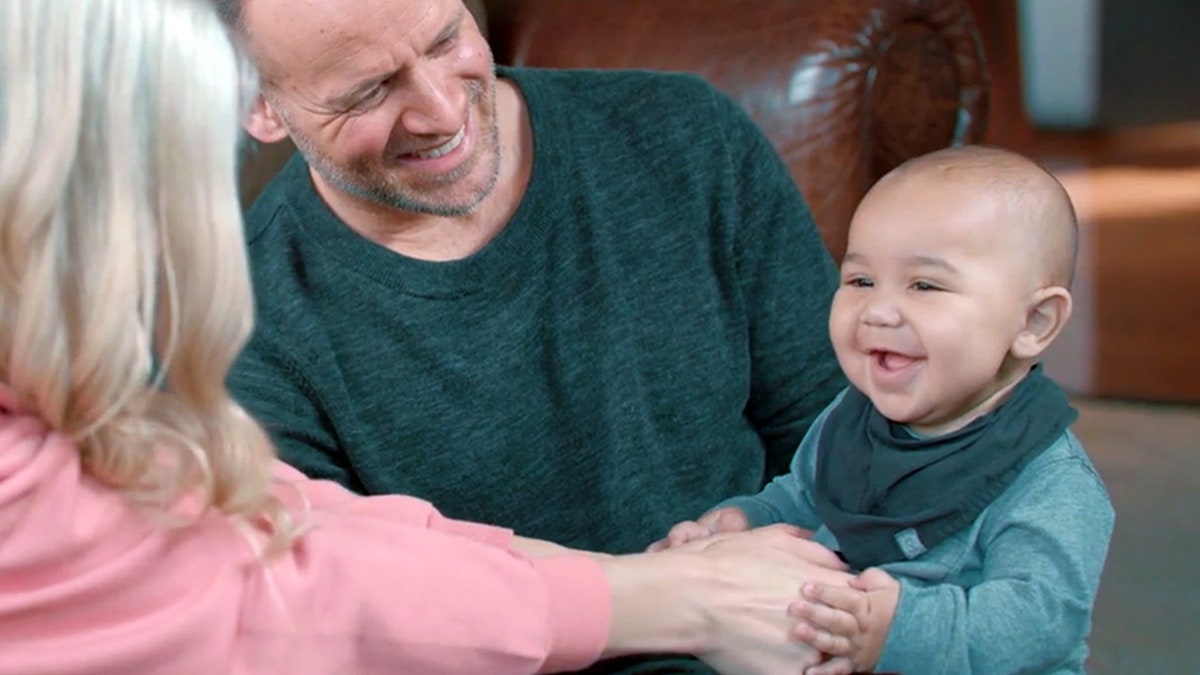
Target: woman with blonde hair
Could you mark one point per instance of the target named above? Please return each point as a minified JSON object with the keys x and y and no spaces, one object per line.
{"x":145,"y":524}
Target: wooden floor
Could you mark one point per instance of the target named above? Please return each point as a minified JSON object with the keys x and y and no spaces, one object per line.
{"x":1136,"y":330}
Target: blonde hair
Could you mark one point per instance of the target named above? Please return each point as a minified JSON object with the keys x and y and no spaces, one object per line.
{"x":124,"y":288}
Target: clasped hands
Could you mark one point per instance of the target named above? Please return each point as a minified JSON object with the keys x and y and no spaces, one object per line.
{"x":836,"y":622}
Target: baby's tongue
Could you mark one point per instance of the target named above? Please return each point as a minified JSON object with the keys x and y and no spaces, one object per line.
{"x":894,"y":361}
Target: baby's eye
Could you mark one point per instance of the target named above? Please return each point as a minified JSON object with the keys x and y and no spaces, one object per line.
{"x":859,"y":282}
{"x":924,"y":286}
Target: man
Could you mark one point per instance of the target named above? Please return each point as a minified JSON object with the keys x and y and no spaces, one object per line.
{"x":580,"y":304}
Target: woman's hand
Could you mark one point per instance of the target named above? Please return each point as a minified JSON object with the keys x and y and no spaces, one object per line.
{"x":723,"y":598}
{"x":760,"y":573}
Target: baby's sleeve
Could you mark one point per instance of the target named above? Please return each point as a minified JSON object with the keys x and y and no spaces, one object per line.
{"x":789,"y":498}
{"x":1044,"y":548}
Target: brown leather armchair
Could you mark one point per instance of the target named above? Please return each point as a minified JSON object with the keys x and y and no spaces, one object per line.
{"x":845,"y":89}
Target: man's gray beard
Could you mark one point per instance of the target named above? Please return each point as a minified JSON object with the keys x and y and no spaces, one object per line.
{"x":384,"y":195}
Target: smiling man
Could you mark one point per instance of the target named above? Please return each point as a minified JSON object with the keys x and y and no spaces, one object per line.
{"x":402,"y":142}
{"x":580,"y":304}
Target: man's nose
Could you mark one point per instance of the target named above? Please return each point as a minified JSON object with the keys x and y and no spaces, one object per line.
{"x":433,"y":105}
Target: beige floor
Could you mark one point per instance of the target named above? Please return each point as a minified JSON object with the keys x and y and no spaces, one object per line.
{"x":1148,"y":613}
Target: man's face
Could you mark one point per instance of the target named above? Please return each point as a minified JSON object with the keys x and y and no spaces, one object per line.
{"x":391,"y":101}
{"x":933,"y":295}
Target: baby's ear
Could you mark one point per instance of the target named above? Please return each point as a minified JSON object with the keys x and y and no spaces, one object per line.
{"x":1045,"y":315}
{"x":264,"y":122}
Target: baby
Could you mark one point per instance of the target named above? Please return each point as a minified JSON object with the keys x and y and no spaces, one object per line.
{"x":946,"y":473}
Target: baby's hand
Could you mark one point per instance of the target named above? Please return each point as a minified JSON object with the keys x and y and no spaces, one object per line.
{"x":681,"y":533}
{"x":850,"y":624}
{"x":728,"y":519}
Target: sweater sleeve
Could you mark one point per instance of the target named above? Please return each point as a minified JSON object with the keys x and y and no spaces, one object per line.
{"x":789,"y":498}
{"x":375,"y":585}
{"x":787,"y":280}
{"x":1045,"y":547}
{"x":318,"y":497}
{"x":420,"y":593}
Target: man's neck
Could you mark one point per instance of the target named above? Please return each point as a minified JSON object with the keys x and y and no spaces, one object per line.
{"x":444,"y":238}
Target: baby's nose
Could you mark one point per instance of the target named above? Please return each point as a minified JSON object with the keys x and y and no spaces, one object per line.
{"x":879,"y":311}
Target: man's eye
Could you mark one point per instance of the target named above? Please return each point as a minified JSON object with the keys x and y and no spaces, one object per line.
{"x":443,"y":45}
{"x":371,"y":95}
{"x":368,"y":98}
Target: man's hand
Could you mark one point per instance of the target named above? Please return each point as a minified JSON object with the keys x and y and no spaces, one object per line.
{"x":728,"y":519}
{"x":849,"y":624}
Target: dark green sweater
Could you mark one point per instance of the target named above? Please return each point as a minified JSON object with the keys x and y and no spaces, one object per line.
{"x":645,"y":338}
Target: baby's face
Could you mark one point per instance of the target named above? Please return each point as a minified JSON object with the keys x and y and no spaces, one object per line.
{"x":933,"y":294}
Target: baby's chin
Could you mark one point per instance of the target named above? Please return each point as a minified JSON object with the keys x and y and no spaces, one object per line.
{"x":897,"y":407}
{"x":921,"y":419}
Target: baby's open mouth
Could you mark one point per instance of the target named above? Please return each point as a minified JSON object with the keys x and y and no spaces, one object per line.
{"x":892,"y":361}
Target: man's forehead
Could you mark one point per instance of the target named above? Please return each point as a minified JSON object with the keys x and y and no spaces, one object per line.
{"x":301,"y":39}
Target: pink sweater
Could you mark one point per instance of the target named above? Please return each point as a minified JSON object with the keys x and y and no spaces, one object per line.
{"x":89,"y":584}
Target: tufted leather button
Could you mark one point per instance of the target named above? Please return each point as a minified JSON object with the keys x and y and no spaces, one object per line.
{"x":845,"y":90}
{"x":931,"y":85}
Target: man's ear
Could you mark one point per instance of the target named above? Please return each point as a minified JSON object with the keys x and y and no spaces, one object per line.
{"x":264,"y":122}
{"x":1047,"y":313}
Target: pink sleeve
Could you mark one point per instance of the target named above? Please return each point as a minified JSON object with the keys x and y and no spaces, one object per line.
{"x":302,"y":494}
{"x":381,"y":585}
{"x":364,"y":595}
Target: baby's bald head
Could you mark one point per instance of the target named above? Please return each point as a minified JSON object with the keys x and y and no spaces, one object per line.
{"x":1035,"y":208}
